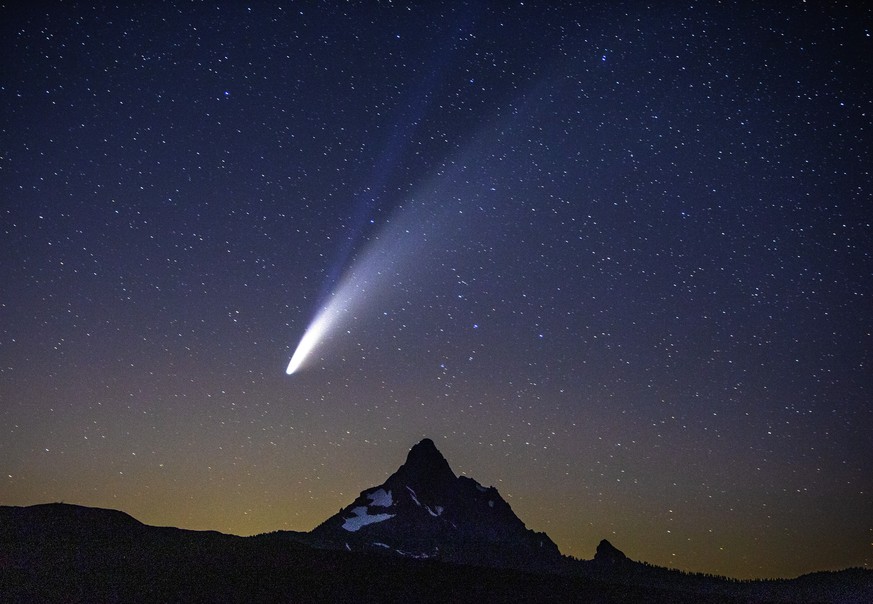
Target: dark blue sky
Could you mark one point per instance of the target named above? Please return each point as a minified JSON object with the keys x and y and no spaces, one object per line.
{"x":615,"y":260}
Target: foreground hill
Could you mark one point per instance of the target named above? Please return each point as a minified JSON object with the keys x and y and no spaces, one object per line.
{"x":66,"y":553}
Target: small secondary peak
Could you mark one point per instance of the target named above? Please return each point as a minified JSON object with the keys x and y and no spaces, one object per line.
{"x":607,"y":552}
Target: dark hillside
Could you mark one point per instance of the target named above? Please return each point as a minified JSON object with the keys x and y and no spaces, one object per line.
{"x":61,"y":553}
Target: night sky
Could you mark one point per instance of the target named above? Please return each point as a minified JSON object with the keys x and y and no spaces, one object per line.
{"x":614,"y":260}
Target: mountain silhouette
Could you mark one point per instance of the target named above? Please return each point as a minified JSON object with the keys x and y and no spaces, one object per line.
{"x":607,"y":553}
{"x":424,"y":535}
{"x":423,"y":510}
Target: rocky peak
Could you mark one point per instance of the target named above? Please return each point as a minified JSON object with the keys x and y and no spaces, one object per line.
{"x":425,"y":468}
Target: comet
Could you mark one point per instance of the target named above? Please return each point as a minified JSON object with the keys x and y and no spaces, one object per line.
{"x":405,"y":253}
{"x":402,"y":237}
{"x":310,"y":338}
{"x":368,"y":284}
{"x":420,"y":233}
{"x":364,"y":282}
{"x":341,"y":302}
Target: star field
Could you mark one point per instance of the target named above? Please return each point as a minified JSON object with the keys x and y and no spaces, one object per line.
{"x":614,"y":259}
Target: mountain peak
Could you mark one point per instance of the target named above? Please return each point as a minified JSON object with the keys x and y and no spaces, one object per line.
{"x":425,"y":466}
{"x":426,"y":445}
{"x":425,"y":452}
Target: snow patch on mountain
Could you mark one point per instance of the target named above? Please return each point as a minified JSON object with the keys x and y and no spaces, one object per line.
{"x":420,"y":556}
{"x":381,"y":498}
{"x":362,"y":518}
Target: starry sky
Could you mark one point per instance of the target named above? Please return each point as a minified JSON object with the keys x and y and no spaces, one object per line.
{"x":614,"y":259}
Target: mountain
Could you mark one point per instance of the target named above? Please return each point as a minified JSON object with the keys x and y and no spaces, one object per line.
{"x":424,"y":535}
{"x":423,"y":510}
